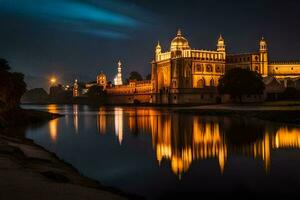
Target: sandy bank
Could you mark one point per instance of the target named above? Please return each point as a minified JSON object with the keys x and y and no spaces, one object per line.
{"x":29,"y":172}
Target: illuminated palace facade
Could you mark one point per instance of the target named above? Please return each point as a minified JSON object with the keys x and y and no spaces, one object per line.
{"x":184,"y":75}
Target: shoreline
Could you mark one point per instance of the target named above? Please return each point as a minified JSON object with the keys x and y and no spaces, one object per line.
{"x":283,"y":115}
{"x":42,"y":169}
{"x":47,"y":168}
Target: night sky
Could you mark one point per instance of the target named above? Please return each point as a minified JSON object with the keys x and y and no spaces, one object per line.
{"x":79,"y":38}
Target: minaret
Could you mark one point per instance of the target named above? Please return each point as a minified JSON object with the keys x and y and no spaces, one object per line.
{"x":157,"y":51}
{"x":75,"y":89}
{"x":221,"y":44}
{"x":263,"y":57}
{"x":221,"y":47}
{"x":118,"y":78}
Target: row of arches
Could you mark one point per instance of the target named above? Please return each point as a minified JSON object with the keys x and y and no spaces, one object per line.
{"x":201,"y":83}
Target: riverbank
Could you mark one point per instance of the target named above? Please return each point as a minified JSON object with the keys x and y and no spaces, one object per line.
{"x":24,"y":117}
{"x":28,"y":171}
{"x":279,"y":114}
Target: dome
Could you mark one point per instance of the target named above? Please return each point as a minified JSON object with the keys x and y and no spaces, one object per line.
{"x":179,"y":42}
{"x":101,"y":79}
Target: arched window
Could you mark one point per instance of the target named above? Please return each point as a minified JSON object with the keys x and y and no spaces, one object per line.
{"x":212,"y":83}
{"x":256,"y":68}
{"x":208,"y":68}
{"x":201,"y":83}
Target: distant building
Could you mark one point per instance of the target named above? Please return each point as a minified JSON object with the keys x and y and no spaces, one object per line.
{"x":101,"y":80}
{"x":75,"y":89}
{"x":118,"y":78}
{"x":184,"y":75}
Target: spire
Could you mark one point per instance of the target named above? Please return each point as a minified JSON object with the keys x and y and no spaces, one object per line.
{"x":220,"y":37}
{"x":158,"y":45}
{"x":178,"y":33}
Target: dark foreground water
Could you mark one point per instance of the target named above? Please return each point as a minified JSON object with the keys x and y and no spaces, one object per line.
{"x":160,"y":153}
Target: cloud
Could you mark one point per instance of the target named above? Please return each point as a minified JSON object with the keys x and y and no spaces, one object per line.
{"x":74,"y":15}
{"x":105,"y":33}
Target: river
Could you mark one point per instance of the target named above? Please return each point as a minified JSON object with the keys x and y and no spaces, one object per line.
{"x":159,"y":153}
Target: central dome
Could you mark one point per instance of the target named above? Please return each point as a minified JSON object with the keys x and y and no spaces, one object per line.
{"x":179,"y":43}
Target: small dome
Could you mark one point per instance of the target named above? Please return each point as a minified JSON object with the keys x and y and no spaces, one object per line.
{"x":179,"y":43}
{"x":262,"y":41}
{"x":101,"y":75}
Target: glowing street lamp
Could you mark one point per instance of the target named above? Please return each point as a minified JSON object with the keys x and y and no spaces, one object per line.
{"x":53,"y":80}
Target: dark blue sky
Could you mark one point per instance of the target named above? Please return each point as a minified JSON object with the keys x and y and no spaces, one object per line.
{"x":80,"y":38}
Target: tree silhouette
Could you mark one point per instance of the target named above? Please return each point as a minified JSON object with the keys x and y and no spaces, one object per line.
{"x":12,"y":86}
{"x":238,"y":82}
{"x":134,"y":75}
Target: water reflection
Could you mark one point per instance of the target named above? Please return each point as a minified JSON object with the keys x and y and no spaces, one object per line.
{"x":101,"y":121}
{"x":53,"y":125}
{"x":52,"y":108}
{"x":75,"y":117}
{"x":119,"y":124}
{"x":178,"y":140}
{"x":182,"y":139}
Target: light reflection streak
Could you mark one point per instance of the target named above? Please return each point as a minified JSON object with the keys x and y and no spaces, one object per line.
{"x":119,"y":124}
{"x":182,"y":140}
{"x":101,"y":121}
{"x":53,"y":129}
{"x":75,"y":117}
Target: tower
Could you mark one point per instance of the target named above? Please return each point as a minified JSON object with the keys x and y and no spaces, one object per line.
{"x":158,"y":49}
{"x":101,"y":80}
{"x":75,"y":89}
{"x":221,"y":44}
{"x":221,"y":47}
{"x":263,"y":57}
{"x":118,"y":78}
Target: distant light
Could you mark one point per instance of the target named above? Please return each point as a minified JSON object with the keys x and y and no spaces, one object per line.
{"x":53,"y":81}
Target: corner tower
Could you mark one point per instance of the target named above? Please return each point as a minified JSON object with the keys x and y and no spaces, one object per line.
{"x":221,"y":47}
{"x":263,"y":57}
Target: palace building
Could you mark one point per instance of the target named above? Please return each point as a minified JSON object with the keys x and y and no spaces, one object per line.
{"x":183,"y":75}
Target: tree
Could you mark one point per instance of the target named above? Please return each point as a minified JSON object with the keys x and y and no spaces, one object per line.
{"x":35,"y":95}
{"x":148,"y":77}
{"x":134,"y":75}
{"x":4,"y":66}
{"x":95,"y":91}
{"x":19,"y":88}
{"x":238,"y":82}
{"x":12,"y":86}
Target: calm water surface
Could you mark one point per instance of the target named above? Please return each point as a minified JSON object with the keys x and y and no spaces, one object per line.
{"x":160,"y":153}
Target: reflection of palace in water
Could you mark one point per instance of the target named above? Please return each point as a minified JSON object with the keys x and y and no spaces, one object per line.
{"x":182,"y":139}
